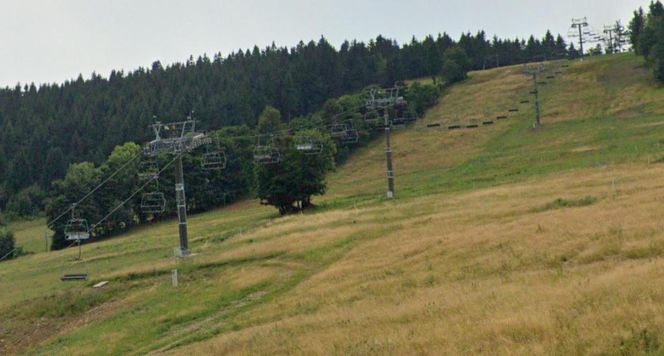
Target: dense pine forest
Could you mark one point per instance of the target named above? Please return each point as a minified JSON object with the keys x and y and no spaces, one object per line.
{"x":48,"y":127}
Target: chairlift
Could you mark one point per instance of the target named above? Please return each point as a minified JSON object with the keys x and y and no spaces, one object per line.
{"x":352,"y":136}
{"x":372,"y":117}
{"x":266,"y":154}
{"x":77,"y":229}
{"x":437,"y":124}
{"x":148,"y":169}
{"x":472,"y":124}
{"x":308,"y":145}
{"x":501,"y":117}
{"x":402,"y":120}
{"x":487,"y":122}
{"x":338,"y":131}
{"x":214,"y":160}
{"x":514,"y":110}
{"x":153,"y":203}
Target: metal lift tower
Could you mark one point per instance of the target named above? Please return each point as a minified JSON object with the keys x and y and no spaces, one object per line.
{"x":384,"y":99}
{"x":177,"y":138}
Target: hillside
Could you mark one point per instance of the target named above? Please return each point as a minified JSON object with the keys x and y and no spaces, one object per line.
{"x":503,"y":239}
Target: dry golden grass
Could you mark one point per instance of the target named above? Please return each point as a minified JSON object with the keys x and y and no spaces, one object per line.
{"x":483,"y":272}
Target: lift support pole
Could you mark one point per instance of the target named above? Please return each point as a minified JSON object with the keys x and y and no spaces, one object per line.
{"x":181,"y":202}
{"x":388,"y":156}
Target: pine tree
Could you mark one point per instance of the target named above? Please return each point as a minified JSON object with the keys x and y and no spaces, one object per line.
{"x":636,"y":27}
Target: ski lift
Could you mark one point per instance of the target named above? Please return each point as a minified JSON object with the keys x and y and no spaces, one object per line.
{"x":214,"y":160}
{"x":402,"y":120}
{"x":148,"y":169}
{"x":487,"y":123}
{"x":472,"y":124}
{"x":345,"y":133}
{"x":266,"y":154}
{"x":501,"y":117}
{"x":372,"y":117}
{"x":352,"y":136}
{"x":308,"y":145}
{"x":338,"y":131}
{"x":77,"y":229}
{"x":153,"y":203}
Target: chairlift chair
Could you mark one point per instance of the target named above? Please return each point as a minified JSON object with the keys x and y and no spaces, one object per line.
{"x":153,"y":203}
{"x":403,"y":119}
{"x":338,"y":131}
{"x":372,"y":117}
{"x":308,"y":145}
{"x":351,"y":136}
{"x":472,"y":124}
{"x":266,"y":154}
{"x":214,"y":160}
{"x":148,"y":169}
{"x":77,"y":229}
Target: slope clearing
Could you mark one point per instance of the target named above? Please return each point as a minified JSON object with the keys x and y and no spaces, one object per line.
{"x":503,"y":240}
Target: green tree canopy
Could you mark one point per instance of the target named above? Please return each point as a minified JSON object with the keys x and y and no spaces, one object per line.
{"x":455,"y":65}
{"x":290,"y":184}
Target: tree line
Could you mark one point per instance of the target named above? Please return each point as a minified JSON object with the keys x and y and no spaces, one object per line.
{"x":646,"y":31}
{"x":48,"y":127}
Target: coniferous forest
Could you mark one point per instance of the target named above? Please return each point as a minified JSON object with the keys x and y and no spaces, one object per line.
{"x":47,"y":128}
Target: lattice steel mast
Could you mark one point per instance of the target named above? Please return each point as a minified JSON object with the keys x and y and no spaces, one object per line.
{"x":580,"y":25}
{"x":384,"y":99}
{"x":181,"y":137}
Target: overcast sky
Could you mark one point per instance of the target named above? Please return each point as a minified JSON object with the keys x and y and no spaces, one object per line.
{"x":55,"y":40}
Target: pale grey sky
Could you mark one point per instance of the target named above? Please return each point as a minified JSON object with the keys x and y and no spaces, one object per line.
{"x":55,"y":40}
